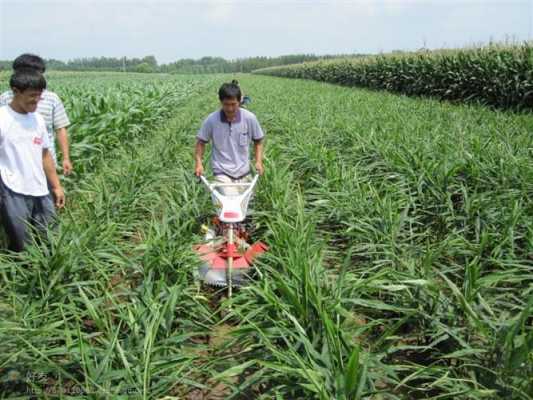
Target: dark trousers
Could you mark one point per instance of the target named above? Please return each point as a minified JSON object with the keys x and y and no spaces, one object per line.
{"x":20,"y":214}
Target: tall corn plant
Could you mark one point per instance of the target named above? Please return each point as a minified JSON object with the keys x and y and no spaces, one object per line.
{"x":500,"y":76}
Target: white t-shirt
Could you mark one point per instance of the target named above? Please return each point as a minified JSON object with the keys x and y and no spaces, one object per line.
{"x":52,"y":110}
{"x":23,"y":137}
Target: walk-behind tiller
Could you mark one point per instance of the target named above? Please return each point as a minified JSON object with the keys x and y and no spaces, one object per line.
{"x":226,"y":252}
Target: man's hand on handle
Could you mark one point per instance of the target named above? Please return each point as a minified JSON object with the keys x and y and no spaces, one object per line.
{"x":259,"y":167}
{"x":199,"y":170}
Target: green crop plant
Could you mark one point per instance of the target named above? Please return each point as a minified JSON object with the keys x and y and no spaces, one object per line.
{"x":499,"y":76}
{"x":400,"y":234}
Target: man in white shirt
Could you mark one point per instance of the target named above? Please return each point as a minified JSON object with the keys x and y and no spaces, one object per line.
{"x":50,"y":107}
{"x":26,"y":163}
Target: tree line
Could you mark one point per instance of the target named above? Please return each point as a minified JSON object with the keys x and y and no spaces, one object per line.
{"x":203,"y":65}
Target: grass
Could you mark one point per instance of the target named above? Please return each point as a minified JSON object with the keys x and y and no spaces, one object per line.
{"x":400,"y":262}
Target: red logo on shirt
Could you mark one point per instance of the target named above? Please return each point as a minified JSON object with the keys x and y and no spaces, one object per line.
{"x":37,"y":140}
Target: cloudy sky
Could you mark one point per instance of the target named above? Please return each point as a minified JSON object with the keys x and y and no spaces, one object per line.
{"x":169,"y":30}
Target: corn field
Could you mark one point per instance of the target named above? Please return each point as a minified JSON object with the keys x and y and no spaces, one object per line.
{"x":401,"y":261}
{"x":497,"y":75}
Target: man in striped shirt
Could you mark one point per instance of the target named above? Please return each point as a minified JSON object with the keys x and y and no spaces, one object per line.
{"x":50,"y":107}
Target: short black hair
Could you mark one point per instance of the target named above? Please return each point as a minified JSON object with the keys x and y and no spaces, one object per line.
{"x":27,"y":78}
{"x":30,"y":61}
{"x":229,"y":91}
